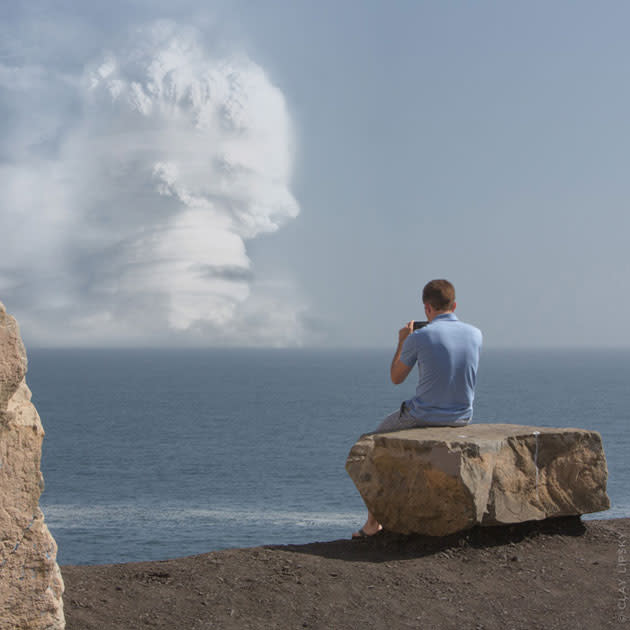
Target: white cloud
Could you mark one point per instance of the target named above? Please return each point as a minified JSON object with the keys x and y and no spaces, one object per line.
{"x":128,"y":199}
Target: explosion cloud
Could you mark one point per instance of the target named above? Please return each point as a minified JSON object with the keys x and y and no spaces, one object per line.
{"x":132,"y":192}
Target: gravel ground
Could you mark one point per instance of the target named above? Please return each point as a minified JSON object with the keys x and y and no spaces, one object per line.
{"x":557,"y":574}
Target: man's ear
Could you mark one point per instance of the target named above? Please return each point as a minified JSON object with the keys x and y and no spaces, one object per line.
{"x":454,"y":306}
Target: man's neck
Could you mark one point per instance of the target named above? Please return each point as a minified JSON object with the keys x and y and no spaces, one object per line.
{"x":435,"y":314}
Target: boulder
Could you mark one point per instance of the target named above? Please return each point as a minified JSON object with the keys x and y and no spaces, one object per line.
{"x":437,"y":481}
{"x":31,"y":587}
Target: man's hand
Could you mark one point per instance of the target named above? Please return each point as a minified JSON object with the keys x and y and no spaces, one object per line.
{"x":399,"y":370}
{"x":405,"y":331}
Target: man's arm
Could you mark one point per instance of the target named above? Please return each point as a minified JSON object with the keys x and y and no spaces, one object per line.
{"x":399,"y":370}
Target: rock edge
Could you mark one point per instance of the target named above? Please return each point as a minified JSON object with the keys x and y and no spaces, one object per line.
{"x":31,"y":586}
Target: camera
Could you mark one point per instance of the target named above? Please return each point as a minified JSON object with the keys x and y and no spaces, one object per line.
{"x":418,"y":325}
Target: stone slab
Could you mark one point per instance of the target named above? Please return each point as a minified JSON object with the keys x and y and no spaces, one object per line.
{"x":440,"y":480}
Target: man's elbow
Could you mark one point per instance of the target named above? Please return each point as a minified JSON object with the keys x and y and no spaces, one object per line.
{"x":397,"y":377}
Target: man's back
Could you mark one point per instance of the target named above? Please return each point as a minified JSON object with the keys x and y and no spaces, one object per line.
{"x":447,"y":353}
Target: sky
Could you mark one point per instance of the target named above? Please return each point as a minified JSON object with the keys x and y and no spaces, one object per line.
{"x":291,"y":173}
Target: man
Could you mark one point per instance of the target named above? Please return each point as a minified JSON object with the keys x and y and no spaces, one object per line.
{"x":447,"y":353}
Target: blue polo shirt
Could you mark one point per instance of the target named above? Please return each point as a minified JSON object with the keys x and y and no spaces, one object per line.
{"x":447,"y":353}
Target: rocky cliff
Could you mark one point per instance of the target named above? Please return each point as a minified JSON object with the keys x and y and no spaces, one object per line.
{"x":31,"y":586}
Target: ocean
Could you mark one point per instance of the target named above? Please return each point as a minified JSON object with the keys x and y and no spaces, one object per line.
{"x":154,"y":454}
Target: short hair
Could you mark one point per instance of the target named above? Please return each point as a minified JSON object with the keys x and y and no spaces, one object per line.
{"x":440,"y":294}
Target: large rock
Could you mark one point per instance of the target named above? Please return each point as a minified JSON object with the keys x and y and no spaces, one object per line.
{"x":438,"y":481}
{"x":31,"y":587}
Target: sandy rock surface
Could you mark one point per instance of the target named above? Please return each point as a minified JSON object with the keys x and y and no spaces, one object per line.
{"x":437,"y":481}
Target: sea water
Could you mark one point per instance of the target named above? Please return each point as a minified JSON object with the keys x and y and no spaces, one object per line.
{"x":152,"y":454}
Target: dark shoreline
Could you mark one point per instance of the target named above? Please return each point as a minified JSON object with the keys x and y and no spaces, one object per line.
{"x":561,"y":573}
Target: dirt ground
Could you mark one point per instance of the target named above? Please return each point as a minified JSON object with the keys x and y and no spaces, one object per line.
{"x":558,"y":574}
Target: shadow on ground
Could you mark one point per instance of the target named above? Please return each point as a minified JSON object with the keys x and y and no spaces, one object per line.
{"x":386,"y":546}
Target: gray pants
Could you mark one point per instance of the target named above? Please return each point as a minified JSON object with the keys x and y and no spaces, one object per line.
{"x":402,"y":419}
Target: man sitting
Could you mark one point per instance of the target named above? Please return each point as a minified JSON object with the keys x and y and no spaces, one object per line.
{"x":447,"y":353}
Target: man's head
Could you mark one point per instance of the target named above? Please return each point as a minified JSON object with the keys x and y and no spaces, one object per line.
{"x":438,"y":296}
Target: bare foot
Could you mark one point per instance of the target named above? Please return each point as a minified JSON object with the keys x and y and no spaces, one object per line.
{"x":368,"y":530}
